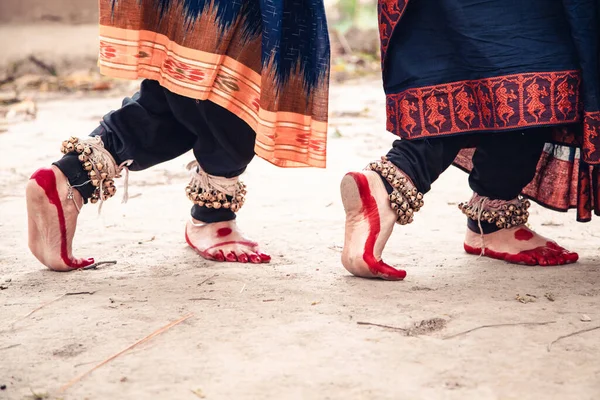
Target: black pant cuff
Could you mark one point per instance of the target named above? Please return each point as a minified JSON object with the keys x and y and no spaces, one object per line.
{"x":211,"y":215}
{"x":486,"y":227}
{"x":76,"y":175}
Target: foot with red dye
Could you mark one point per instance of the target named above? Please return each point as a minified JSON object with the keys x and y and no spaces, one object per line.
{"x":519,"y":245}
{"x":52,"y":219}
{"x":223,"y":241}
{"x":369,"y":224}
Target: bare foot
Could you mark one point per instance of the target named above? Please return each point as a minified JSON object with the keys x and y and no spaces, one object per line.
{"x":52,"y":219}
{"x":519,"y":245}
{"x":223,"y":241}
{"x":369,"y":224}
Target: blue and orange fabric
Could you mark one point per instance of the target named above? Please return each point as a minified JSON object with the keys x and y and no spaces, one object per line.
{"x":453,"y":67}
{"x":267,"y":61}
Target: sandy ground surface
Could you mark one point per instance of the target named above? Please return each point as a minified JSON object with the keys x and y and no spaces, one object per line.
{"x":288,"y":330}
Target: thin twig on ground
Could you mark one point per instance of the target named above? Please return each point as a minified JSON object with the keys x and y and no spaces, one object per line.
{"x":572,"y":334}
{"x":12,"y":346}
{"x":30,"y":313}
{"x":243,"y":287}
{"x":202,"y":299}
{"x":48,"y":68}
{"x":109,"y":359}
{"x":498,"y":326}
{"x":382,"y":326}
{"x":96,"y":265}
{"x":78,"y":293}
{"x":206,"y":280}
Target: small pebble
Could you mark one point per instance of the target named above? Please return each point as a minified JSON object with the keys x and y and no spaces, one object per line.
{"x":2,"y":387}
{"x":8,"y":280}
{"x":586,"y":318}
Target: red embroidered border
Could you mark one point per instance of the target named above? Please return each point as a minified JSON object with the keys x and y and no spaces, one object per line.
{"x":498,"y":103}
{"x":591,"y":136}
{"x":389,"y":13}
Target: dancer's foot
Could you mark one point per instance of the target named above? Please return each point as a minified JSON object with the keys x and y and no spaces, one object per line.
{"x":369,"y":224}
{"x":519,"y":245}
{"x":223,"y":241}
{"x":52,"y":219}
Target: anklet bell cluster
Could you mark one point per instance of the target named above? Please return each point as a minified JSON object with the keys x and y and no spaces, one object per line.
{"x":405,"y":199}
{"x":504,"y":214}
{"x":215,"y":192}
{"x":99,"y":164}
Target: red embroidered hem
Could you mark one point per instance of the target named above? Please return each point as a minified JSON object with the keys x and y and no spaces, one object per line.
{"x":491,"y":104}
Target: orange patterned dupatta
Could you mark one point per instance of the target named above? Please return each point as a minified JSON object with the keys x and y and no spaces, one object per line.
{"x":267,"y":61}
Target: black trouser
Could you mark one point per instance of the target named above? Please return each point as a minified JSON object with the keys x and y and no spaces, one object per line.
{"x":503,"y":163}
{"x":156,"y":125}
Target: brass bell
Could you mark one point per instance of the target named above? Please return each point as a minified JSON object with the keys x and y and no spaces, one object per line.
{"x":99,"y":166}
{"x":221,"y":197}
{"x":93,"y":200}
{"x":239,"y":198}
{"x":87,"y":150}
{"x":216,"y":205}
{"x":92,"y":174}
{"x":87,"y":166}
{"x":227,"y":205}
{"x":64,"y":143}
{"x":70,"y":147}
{"x":95,"y":182}
{"x":235,"y":207}
{"x":111,"y":190}
{"x":73,"y":139}
{"x":83,"y":158}
{"x":419,"y":196}
{"x":394,"y":206}
{"x":103,"y":175}
{"x":79,"y":148}
{"x":208,"y":205}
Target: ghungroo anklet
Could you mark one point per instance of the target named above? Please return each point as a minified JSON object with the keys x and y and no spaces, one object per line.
{"x":101,"y":167}
{"x":504,"y":214}
{"x":214,"y":191}
{"x":405,"y":199}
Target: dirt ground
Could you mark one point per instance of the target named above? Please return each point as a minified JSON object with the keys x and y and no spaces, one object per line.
{"x":291,"y":329}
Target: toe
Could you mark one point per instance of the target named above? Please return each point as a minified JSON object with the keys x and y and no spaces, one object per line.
{"x":264,"y":257}
{"x":553,"y":260}
{"x":219,"y":256}
{"x":243,"y":258}
{"x":255,"y":258}
{"x":571,"y":257}
{"x":387,"y":272}
{"x":231,"y":257}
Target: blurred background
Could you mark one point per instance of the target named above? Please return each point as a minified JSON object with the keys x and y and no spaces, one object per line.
{"x":50,"y":46}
